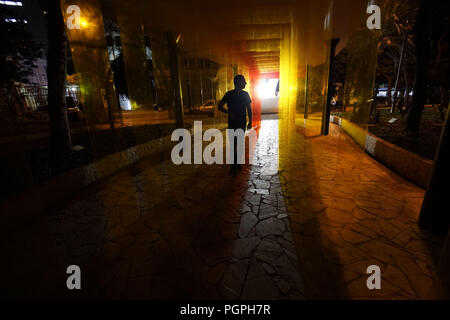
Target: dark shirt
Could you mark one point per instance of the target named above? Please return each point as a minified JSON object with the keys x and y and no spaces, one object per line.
{"x":237,"y":102}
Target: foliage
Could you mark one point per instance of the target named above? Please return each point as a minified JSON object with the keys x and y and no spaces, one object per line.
{"x":397,"y":23}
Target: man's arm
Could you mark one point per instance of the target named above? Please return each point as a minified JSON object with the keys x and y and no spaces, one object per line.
{"x":221,"y":108}
{"x":250,"y":117}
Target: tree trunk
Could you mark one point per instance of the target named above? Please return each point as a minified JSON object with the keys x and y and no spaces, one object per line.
{"x":422,"y":57}
{"x":405,"y":75}
{"x":374,"y":100}
{"x":56,"y":74}
{"x":389,"y":89}
{"x":399,"y":68}
{"x":444,"y":102}
{"x":175,"y":78}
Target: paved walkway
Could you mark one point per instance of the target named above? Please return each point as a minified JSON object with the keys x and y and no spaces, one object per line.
{"x":163,"y":231}
{"x":348,"y":212}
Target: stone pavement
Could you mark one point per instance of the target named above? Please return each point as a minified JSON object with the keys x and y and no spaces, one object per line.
{"x":348,"y":212}
{"x":158,"y":231}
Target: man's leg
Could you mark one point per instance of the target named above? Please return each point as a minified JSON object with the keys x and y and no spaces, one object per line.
{"x":233,"y":167}
{"x":235,"y":153}
{"x":232,"y":139}
{"x":237,"y":139}
{"x":238,"y":165}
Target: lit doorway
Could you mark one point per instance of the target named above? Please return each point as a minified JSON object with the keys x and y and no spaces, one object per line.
{"x":267,"y":91}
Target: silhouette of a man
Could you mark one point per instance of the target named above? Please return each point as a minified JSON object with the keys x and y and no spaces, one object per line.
{"x":238,"y":106}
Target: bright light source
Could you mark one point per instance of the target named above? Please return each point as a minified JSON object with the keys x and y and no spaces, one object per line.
{"x":84,"y":23}
{"x":266,"y":88}
{"x":12,"y":3}
{"x":15,"y":20}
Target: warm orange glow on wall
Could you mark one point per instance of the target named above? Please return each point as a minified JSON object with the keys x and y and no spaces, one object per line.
{"x":288,"y":39}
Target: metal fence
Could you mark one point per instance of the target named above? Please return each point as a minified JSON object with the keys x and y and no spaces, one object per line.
{"x":32,"y":97}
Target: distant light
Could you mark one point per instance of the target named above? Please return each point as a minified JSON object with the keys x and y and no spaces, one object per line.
{"x":15,"y":20}
{"x":178,"y":39}
{"x":84,"y":23}
{"x":12,"y":3}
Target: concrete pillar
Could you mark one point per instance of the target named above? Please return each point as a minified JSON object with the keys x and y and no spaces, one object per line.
{"x":305,"y":115}
{"x":435,"y":212}
{"x":444,"y":263}
{"x":175,"y":79}
{"x":327,"y":111}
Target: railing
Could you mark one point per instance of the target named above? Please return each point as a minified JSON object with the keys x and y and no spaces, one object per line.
{"x":31,"y":97}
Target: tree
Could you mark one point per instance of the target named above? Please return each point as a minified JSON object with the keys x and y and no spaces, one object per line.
{"x":422,"y":58}
{"x":432,"y":25}
{"x":340,"y":63}
{"x":395,"y":38}
{"x":61,"y":141}
{"x":120,"y":82}
{"x":439,"y":70}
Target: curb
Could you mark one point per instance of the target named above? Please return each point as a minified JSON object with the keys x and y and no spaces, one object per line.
{"x":32,"y":203}
{"x":407,"y":164}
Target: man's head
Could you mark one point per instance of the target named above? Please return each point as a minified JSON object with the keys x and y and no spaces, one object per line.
{"x":239,"y":82}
